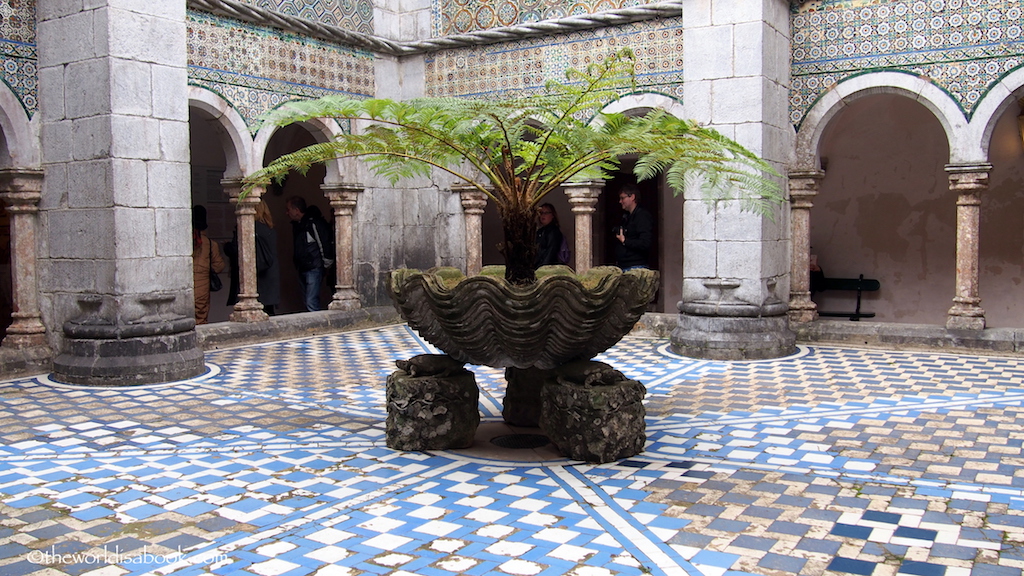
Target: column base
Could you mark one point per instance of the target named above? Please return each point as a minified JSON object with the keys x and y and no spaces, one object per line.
{"x":248,"y":309}
{"x":345,"y":299}
{"x":802,"y":309}
{"x":733,"y":338}
{"x":129,"y":355}
{"x":25,"y":332}
{"x":966,"y":315}
{"x":965,"y":323}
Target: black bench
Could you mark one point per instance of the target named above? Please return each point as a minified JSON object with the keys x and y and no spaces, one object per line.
{"x":860,"y":285}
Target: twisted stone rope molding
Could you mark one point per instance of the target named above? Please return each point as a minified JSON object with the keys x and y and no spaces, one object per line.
{"x":245,"y":12}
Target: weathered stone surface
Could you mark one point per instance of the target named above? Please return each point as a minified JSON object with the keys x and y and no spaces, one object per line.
{"x":522,"y":404}
{"x":594,"y":413}
{"x":560,"y":318}
{"x":431,"y":412}
{"x":733,"y":338}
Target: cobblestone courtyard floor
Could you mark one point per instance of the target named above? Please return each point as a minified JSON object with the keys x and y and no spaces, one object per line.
{"x":832,"y":461}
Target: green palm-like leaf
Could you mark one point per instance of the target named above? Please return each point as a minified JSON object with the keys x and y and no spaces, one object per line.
{"x":518,"y":149}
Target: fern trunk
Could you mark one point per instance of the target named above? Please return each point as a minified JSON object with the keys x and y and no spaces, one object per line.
{"x":520,"y":251}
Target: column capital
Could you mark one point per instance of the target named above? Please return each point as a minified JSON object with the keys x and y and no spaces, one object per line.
{"x":21,"y":189}
{"x":233,"y":188}
{"x":473,"y":200}
{"x":583,"y":189}
{"x":804,"y":183}
{"x":342,"y":189}
{"x":583,"y":196}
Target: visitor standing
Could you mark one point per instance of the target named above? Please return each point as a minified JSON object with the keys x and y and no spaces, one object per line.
{"x":206,"y":260}
{"x":550,"y":239}
{"x":268,"y":271}
{"x":309,"y":236}
{"x":636,"y":232}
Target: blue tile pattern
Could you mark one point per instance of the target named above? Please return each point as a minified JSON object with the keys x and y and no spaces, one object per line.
{"x":273,"y":462}
{"x":963,"y":46}
{"x":257,"y":68}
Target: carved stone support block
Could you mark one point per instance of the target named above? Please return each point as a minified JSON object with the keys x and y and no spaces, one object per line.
{"x":593,"y":413}
{"x":432,"y":404}
{"x":522,"y":406}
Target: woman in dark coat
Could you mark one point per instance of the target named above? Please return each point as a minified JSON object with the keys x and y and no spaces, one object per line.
{"x":268,"y":269}
{"x":549,"y":237}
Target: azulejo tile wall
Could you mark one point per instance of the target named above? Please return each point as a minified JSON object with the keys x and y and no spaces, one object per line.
{"x":18,"y":50}
{"x":963,"y":46}
{"x":525,"y":65}
{"x":459,"y":16}
{"x":349,"y":14}
{"x":256,"y":68}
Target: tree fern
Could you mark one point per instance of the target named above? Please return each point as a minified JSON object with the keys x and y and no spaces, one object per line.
{"x":516,"y":150}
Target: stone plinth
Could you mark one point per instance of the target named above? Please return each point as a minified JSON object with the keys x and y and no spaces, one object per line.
{"x":733,"y":338}
{"x":432,"y":404}
{"x":129,"y":354}
{"x":592,"y":412}
{"x":522,"y":406}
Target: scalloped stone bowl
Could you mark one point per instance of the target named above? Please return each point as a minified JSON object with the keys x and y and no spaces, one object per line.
{"x":487,"y":321}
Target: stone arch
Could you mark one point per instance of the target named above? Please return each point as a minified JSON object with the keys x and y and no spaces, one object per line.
{"x":19,"y":147}
{"x":943,"y":107}
{"x":234,"y":134}
{"x":1003,"y":95}
{"x":322,"y":129}
{"x":656,"y":197}
{"x":645,"y":100}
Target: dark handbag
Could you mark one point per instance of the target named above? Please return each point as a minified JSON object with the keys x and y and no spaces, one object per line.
{"x":215,"y":283}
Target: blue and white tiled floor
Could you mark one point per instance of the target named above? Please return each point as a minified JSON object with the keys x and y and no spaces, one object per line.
{"x":832,"y":461}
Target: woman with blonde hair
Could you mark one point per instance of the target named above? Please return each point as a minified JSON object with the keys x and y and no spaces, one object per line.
{"x":268,"y":270}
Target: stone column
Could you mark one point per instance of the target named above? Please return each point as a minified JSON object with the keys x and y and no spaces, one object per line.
{"x":473,"y":203}
{"x":803,"y":187}
{"x":583,"y":197}
{"x":115,"y":269}
{"x":20,"y":191}
{"x":343,"y":198}
{"x":969,"y":181}
{"x":248,"y":308}
{"x":736,"y":263}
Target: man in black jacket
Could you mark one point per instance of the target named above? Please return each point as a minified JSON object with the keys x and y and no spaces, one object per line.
{"x":635,"y":234}
{"x":311,"y":241}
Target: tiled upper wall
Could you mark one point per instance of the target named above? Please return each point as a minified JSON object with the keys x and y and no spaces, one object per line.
{"x":459,"y":16}
{"x":18,"y":50}
{"x":963,"y":46}
{"x":525,"y":65}
{"x":257,"y":68}
{"x":354,"y":15}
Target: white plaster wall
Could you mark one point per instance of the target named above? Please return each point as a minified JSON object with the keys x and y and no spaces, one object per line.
{"x":885,"y":210}
{"x":1001,"y":267}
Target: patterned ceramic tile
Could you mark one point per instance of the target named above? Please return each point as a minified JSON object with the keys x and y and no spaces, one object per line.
{"x":524,"y":66}
{"x":354,"y":15}
{"x":963,"y":46}
{"x":459,"y":16}
{"x":18,"y":50}
{"x":273,"y":462}
{"x":257,"y":68}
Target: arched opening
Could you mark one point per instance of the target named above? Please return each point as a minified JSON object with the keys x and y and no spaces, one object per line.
{"x":6,"y":279}
{"x":208,"y":168}
{"x":1001,"y":242}
{"x":884,"y":210}
{"x":306,"y":186}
